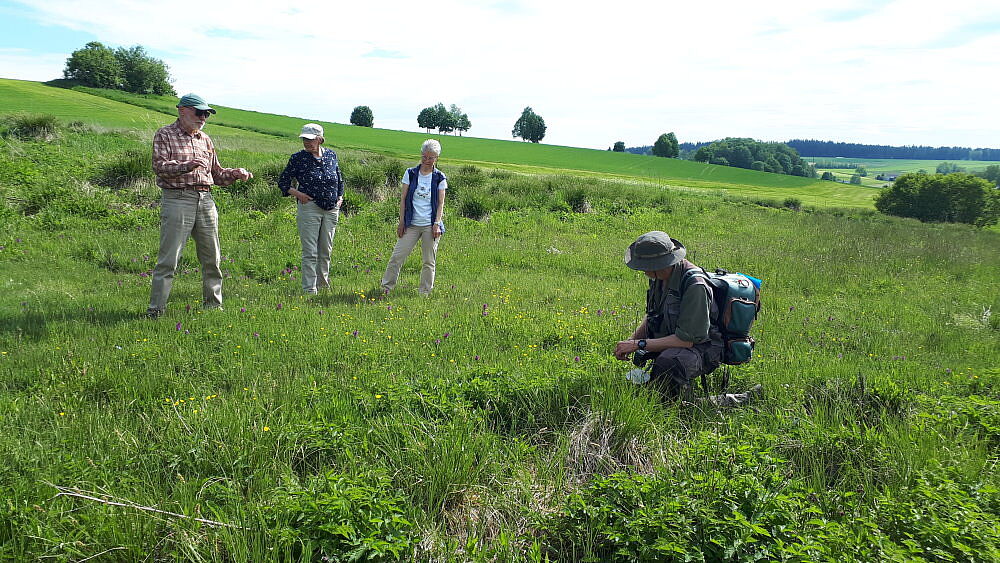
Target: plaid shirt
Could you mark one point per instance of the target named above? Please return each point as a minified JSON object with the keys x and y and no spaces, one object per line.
{"x":174,"y":148}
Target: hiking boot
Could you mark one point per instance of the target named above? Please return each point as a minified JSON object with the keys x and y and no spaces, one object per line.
{"x":153,"y":313}
{"x":755,"y":393}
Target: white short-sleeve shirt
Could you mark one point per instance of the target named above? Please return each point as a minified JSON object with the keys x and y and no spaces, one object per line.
{"x":422,"y":198}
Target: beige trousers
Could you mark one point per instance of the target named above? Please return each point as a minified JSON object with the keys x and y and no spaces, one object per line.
{"x":183,"y":214}
{"x":404,"y":246}
{"x":317,"y":227}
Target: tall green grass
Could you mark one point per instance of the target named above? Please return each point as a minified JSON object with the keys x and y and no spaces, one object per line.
{"x":489,"y":422}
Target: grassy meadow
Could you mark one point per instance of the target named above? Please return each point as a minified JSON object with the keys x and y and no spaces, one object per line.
{"x":489,"y":422}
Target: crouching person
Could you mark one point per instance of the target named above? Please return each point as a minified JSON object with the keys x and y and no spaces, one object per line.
{"x":677,"y":332}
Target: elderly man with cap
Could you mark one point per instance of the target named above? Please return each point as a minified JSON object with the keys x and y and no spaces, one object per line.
{"x":677,"y":329}
{"x":186,"y":167}
{"x":319,"y":190}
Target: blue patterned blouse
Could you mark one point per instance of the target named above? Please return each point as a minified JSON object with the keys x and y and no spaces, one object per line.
{"x":320,"y":179}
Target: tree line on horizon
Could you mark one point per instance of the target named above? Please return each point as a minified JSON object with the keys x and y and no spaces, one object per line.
{"x":813,"y":148}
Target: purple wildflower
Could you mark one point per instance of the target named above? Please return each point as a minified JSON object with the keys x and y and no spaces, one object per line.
{"x":476,"y":358}
{"x":279,"y":306}
{"x":256,"y":335}
{"x":187,"y":309}
{"x":243,"y":309}
{"x":446,"y":335}
{"x":354,"y":334}
{"x":178,"y":327}
{"x":576,"y":359}
{"x":437,"y":340}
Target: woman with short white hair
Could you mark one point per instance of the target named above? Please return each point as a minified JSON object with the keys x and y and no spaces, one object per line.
{"x":421,"y":212}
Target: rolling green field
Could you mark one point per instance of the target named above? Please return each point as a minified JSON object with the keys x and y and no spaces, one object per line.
{"x":512,"y":155}
{"x":489,"y":422}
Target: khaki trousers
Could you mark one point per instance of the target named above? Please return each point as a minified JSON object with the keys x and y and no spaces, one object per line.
{"x":183,"y":214}
{"x":317,"y":227}
{"x":428,"y":250}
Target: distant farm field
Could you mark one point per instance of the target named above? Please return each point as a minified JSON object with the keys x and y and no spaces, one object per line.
{"x":896,"y":166}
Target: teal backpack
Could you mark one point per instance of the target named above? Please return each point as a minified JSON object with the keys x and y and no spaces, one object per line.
{"x":738,"y":299}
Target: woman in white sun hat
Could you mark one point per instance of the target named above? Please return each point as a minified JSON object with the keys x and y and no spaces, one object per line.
{"x":313,"y":178}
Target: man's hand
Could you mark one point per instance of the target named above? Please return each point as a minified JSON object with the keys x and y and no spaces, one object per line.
{"x":197,"y":162}
{"x":400,"y":230}
{"x":436,"y":230}
{"x":243,"y":174}
{"x":625,"y":348}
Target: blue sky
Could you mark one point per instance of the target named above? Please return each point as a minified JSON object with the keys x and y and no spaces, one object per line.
{"x":886,"y":72}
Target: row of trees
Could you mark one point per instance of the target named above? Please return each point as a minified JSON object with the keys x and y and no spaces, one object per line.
{"x":129,"y":69}
{"x":857,"y":150}
{"x":443,"y":119}
{"x":755,"y":155}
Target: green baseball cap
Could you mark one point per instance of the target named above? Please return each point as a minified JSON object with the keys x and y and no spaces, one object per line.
{"x":194,"y":101}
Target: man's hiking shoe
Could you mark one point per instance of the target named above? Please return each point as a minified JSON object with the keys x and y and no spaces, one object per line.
{"x":153,"y":313}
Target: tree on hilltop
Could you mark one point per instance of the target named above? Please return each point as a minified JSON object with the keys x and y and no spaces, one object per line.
{"x":363,"y":117}
{"x":427,"y":119}
{"x":130,"y":69}
{"x":142,"y":74}
{"x":443,"y":119}
{"x":530,"y":126}
{"x":666,"y":146}
{"x":619,"y":146}
{"x":94,"y":65}
{"x":459,"y":120}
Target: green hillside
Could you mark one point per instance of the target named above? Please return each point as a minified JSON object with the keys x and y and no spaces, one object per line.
{"x":490,"y":421}
{"x":514,"y":155}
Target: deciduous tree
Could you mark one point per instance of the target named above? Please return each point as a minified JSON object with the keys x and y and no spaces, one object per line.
{"x":363,"y":116}
{"x":619,"y":146}
{"x":94,"y":65}
{"x":530,"y":126}
{"x":427,"y":119}
{"x":143,"y":74}
{"x":666,"y":146}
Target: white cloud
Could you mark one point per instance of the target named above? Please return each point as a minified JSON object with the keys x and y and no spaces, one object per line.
{"x":899,"y":72}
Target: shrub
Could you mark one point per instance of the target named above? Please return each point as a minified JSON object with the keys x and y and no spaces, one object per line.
{"x":951,"y":198}
{"x":474,"y":208}
{"x":28,"y":127}
{"x":793,"y":203}
{"x":368,"y":180}
{"x":353,"y":202}
{"x":577,"y":200}
{"x":126,"y":170}
{"x":498,"y":174}
{"x":343,"y":518}
{"x":394,"y":169}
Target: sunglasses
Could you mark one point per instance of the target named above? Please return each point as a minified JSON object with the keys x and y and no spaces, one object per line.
{"x":202,"y":113}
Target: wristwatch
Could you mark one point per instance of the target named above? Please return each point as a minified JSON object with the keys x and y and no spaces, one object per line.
{"x":641,"y":343}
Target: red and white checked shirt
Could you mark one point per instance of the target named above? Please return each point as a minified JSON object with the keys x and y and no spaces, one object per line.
{"x":174,"y":148}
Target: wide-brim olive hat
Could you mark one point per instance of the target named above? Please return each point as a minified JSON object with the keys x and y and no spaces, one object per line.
{"x":653,"y":251}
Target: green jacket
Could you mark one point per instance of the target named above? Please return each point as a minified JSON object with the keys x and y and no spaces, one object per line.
{"x":688,"y":316}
